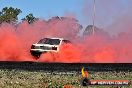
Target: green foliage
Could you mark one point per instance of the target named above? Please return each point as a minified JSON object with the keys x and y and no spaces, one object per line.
{"x":30,"y":18}
{"x":9,"y":15}
{"x":41,"y":79}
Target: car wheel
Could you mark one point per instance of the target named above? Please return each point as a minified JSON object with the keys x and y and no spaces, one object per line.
{"x":36,"y":54}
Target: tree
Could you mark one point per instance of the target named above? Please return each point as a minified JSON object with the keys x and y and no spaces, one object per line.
{"x":30,"y":18}
{"x":89,"y":31}
{"x":9,"y":15}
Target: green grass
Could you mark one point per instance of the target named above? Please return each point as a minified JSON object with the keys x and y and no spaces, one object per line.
{"x":41,"y":79}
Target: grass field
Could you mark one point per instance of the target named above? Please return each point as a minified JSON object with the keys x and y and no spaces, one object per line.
{"x":41,"y":79}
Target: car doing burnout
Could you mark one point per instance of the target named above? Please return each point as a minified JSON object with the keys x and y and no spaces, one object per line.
{"x":47,"y":45}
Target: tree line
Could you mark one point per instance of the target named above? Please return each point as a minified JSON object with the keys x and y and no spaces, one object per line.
{"x":10,"y":15}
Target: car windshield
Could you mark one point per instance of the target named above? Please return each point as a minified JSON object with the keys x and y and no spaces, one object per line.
{"x":49,"y":41}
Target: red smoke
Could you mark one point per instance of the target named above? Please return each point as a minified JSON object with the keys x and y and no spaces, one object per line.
{"x":15,"y":43}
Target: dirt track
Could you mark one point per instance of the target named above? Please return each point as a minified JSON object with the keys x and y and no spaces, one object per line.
{"x":65,"y":66}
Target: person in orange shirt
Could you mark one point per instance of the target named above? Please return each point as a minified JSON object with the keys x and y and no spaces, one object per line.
{"x":85,"y":80}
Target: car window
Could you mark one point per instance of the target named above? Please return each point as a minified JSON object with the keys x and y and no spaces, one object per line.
{"x":52,"y":41}
{"x":42,"y":41}
{"x":49,"y":41}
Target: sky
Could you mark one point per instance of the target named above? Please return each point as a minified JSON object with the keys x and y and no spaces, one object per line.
{"x":107,"y":11}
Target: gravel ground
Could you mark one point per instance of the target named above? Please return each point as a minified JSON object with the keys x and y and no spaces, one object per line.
{"x":42,"y":79}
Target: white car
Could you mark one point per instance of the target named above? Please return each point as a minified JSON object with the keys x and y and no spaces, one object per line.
{"x":47,"y":45}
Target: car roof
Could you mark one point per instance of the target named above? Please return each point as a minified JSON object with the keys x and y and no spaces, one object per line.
{"x":53,"y":38}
